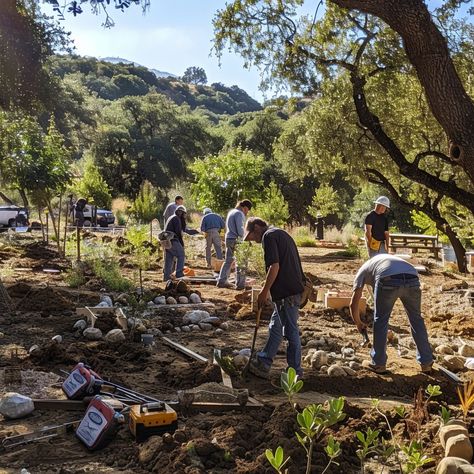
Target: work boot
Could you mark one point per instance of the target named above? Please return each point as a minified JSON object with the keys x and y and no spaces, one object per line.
{"x":427,"y":368}
{"x":258,"y":368}
{"x":378,"y":369}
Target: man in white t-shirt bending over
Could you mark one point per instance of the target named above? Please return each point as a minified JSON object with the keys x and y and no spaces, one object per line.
{"x":391,"y":278}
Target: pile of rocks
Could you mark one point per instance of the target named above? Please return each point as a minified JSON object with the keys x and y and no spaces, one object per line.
{"x":193,"y":298}
{"x":342,"y":363}
{"x":198,"y":320}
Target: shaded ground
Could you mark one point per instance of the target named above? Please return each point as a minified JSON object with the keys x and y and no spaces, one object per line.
{"x":232,"y":442}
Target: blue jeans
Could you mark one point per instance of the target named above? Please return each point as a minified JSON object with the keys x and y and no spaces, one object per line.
{"x":387,"y":291}
{"x":177,"y":250}
{"x":225,"y":270}
{"x":284,"y":324}
{"x":382,"y":249}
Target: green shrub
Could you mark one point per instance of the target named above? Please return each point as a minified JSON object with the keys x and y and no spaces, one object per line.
{"x":110,"y":274}
{"x":303,"y":237}
{"x":75,"y":277}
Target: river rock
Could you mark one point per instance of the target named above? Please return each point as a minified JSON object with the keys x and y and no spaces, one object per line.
{"x":318,"y":358}
{"x":80,"y":325}
{"x":205,"y":326}
{"x":444,"y":349}
{"x":93,"y":334}
{"x":177,"y":329}
{"x":195,"y":316}
{"x":160,"y":300}
{"x":219,"y":332}
{"x":224,"y":326}
{"x":195,"y":298}
{"x":240,"y":361}
{"x":466,"y":350}
{"x":183,"y":300}
{"x":450,"y":465}
{"x":195,"y":328}
{"x":448,"y":431}
{"x":323,"y":369}
{"x":459,"y":446}
{"x":336,"y":371}
{"x":316,"y":343}
{"x":214,"y":320}
{"x":122,"y":298}
{"x":13,"y":405}
{"x":185,"y":328}
{"x":150,"y":304}
{"x":349,"y":371}
{"x":34,"y":348}
{"x":453,"y":362}
{"x":354,"y":365}
{"x":57,"y":339}
{"x":171,"y":300}
{"x":114,"y":336}
{"x":347,"y":353}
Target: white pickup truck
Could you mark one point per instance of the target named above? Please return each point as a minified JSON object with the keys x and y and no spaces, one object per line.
{"x":13,"y":216}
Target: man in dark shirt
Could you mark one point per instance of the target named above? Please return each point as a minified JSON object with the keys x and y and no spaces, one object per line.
{"x":175,"y":224}
{"x":285,"y":283}
{"x":377,"y":237}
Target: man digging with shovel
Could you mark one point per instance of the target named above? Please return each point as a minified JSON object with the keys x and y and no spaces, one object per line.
{"x":285,"y":283}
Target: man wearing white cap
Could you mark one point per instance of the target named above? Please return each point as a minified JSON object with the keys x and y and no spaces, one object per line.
{"x":377,"y":237}
{"x":211,"y":225}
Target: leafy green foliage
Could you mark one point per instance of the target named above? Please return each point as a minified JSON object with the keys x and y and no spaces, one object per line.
{"x":277,"y":459}
{"x":145,"y":208}
{"x":195,"y":75}
{"x":445,"y":415}
{"x":273,"y":208}
{"x":221,"y":180}
{"x":314,"y":420}
{"x":369,"y":443}
{"x":290,"y":384}
{"x":92,"y":185}
{"x":108,"y":271}
{"x":326,"y":201}
{"x":415,"y":457}
{"x":250,"y":257}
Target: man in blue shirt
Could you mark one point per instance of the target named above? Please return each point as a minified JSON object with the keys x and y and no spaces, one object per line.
{"x":235,"y":231}
{"x":211,"y":225}
{"x":391,"y":278}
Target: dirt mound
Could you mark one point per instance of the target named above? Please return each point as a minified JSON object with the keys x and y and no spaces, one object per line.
{"x":40,"y":298}
{"x":40,"y":251}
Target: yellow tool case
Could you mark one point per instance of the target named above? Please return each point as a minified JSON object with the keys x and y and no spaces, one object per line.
{"x":152,"y":418}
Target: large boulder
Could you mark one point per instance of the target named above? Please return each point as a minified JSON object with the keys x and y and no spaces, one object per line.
{"x":450,"y":465}
{"x":459,"y":446}
{"x":195,"y":317}
{"x":13,"y":405}
{"x":115,"y":336}
{"x":448,"y":431}
{"x":92,"y":334}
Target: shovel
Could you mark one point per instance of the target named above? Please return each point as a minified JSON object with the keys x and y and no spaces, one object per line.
{"x":252,"y":350}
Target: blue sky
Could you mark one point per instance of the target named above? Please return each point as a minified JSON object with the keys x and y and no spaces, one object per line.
{"x":172,"y":36}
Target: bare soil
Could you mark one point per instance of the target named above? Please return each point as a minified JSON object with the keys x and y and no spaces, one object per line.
{"x":232,"y":442}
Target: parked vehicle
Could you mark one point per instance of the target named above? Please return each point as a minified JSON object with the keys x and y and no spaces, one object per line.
{"x":104,"y":217}
{"x":13,"y":216}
